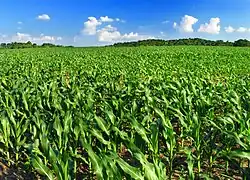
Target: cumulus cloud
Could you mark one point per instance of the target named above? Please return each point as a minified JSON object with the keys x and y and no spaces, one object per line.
{"x":24,"y":37}
{"x":106,"y":19}
{"x":242,"y":30}
{"x":43,"y":17}
{"x":108,"y":33}
{"x":213,"y":27}
{"x":21,"y":37}
{"x":19,"y":22}
{"x":229,"y":29}
{"x":91,"y":25}
{"x":111,"y":34}
{"x":45,"y":38}
{"x":186,"y":24}
{"x":134,"y":36}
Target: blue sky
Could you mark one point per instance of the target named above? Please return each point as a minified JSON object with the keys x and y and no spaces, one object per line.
{"x":98,"y":22}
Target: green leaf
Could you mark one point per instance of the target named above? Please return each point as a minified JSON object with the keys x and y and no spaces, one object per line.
{"x":154,"y":137}
{"x":95,"y":160}
{"x":101,"y":125}
{"x":41,"y":168}
{"x":239,"y":154}
{"x":99,"y":136}
{"x":132,"y":171}
{"x":111,"y":116}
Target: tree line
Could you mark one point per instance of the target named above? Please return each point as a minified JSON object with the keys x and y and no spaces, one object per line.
{"x":189,"y":41}
{"x":20,"y":45}
{"x":149,"y":42}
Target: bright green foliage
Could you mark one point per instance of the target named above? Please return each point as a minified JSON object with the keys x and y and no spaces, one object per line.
{"x":126,"y":113}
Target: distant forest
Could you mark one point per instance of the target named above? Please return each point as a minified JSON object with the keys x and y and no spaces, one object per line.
{"x":183,"y":42}
{"x":149,"y":42}
{"x":19,"y":45}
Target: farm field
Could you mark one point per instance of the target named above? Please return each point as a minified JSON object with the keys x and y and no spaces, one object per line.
{"x":125,"y":113}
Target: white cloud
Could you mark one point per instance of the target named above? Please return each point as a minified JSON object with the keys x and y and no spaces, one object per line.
{"x":45,"y":38}
{"x":242,"y":30}
{"x":108,"y":33}
{"x":229,"y":29}
{"x":186,"y":24}
{"x":133,"y":36}
{"x":24,"y":37}
{"x":111,"y":34}
{"x":91,"y":25}
{"x":120,"y":20}
{"x":106,"y":19}
{"x":19,"y":22}
{"x":175,"y":25}
{"x":213,"y":27}
{"x":21,"y":37}
{"x":109,"y":28}
{"x":43,"y":17}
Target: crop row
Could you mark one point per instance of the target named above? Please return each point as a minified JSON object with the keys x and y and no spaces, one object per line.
{"x":71,"y":115}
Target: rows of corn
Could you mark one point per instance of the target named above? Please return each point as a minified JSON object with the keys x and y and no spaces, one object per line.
{"x":130,"y":113}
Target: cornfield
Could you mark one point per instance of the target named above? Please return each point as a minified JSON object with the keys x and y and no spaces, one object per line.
{"x":125,"y":113}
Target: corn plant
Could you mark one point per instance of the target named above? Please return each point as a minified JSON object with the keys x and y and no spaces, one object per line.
{"x":126,"y":113}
